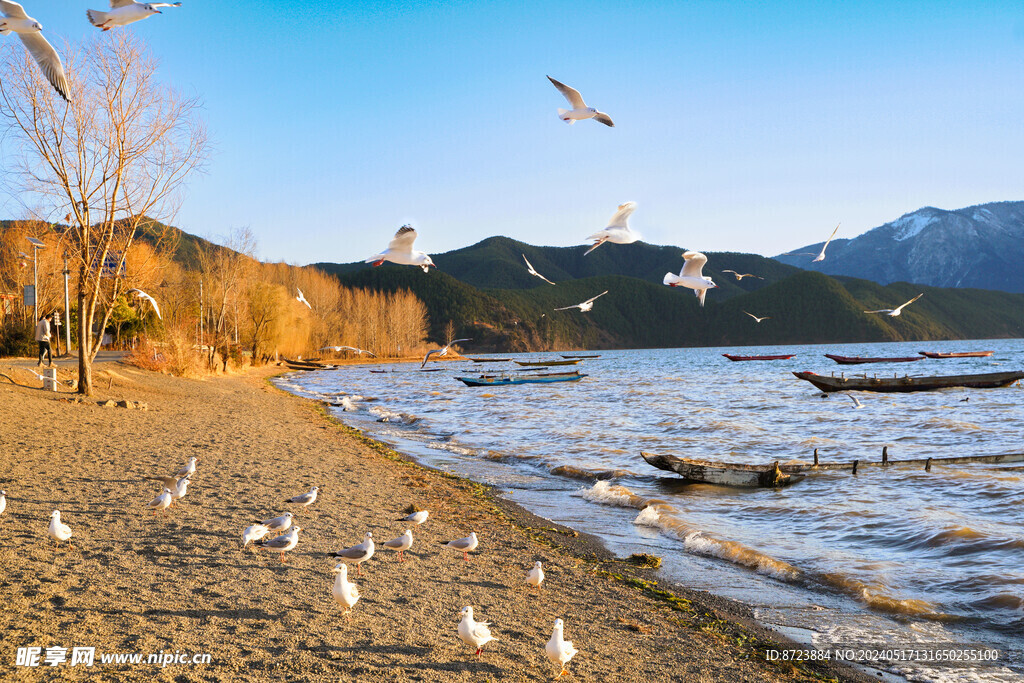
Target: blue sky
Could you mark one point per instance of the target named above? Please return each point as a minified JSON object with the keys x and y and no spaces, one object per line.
{"x":739,"y":126}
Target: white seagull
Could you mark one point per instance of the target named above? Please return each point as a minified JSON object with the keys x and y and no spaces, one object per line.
{"x":533,"y":271}
{"x":893,"y":312}
{"x":30,"y":32}
{"x":284,"y":542}
{"x":254,"y":533}
{"x":278,"y":523}
{"x":442,"y":351}
{"x":301,"y":298}
{"x":756,"y":319}
{"x":344,"y":591}
{"x":856,"y":401}
{"x":580,"y":111}
{"x":358,"y":553}
{"x":617,"y":231}
{"x":161,"y":502}
{"x":474,"y":633}
{"x":305,"y":499}
{"x":417,"y":517}
{"x":535,"y":577}
{"x":188,"y":469}
{"x":400,"y":251}
{"x":401,"y":544}
{"x":691,"y":276}
{"x":559,"y":650}
{"x":821,"y":254}
{"x":740,"y":276}
{"x":463,"y":545}
{"x":3,"y":501}
{"x":124,"y":12}
{"x":142,"y":295}
{"x":58,"y":530}
{"x":585,"y":306}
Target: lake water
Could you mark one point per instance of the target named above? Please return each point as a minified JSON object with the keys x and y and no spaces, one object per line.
{"x":897,"y":557}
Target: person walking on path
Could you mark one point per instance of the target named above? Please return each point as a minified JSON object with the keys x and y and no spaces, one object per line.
{"x":43,"y":337}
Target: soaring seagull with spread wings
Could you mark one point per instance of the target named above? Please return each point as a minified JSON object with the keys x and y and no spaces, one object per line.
{"x":585,"y":306}
{"x":821,"y":254}
{"x":530,"y":268}
{"x":30,"y":31}
{"x":580,"y":111}
{"x":124,"y":12}
{"x":692,"y":276}
{"x":142,"y":295}
{"x":756,"y":319}
{"x":400,"y":251}
{"x":443,"y":351}
{"x":740,"y":276}
{"x":301,"y":298}
{"x":893,"y":312}
{"x":618,"y":231}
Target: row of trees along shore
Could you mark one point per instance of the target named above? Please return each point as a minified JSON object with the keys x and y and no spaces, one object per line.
{"x":98,"y":174}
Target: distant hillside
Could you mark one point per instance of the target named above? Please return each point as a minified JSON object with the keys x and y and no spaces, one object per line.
{"x":979,"y":246}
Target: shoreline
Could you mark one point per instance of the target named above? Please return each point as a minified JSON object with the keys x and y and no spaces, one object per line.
{"x":140,"y":583}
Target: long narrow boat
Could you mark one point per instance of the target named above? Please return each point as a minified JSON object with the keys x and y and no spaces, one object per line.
{"x":740,"y":474}
{"x":503,"y":379}
{"x":901,"y":384}
{"x":490,"y":360}
{"x":533,"y":363}
{"x":737,"y":358}
{"x":596,"y":355}
{"x":962,"y":354}
{"x":306,"y":365}
{"x":857,"y":360}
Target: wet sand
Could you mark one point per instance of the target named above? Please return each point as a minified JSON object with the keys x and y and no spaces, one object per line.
{"x":138,"y":583}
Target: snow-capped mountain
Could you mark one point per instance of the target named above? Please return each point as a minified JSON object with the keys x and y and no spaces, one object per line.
{"x":980,"y":246}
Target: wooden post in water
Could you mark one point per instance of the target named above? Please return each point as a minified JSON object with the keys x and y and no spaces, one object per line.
{"x":885,"y":456}
{"x":855,"y":463}
{"x":928,"y":465}
{"x":815,"y":457}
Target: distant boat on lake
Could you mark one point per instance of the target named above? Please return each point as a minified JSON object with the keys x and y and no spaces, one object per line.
{"x":503,"y":379}
{"x":990,"y":380}
{"x":528,"y":363}
{"x":962,"y":354}
{"x":738,"y":358}
{"x":857,"y":360}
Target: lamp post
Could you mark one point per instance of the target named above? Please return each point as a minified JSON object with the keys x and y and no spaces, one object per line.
{"x":36,"y":246}
{"x":67,"y":311}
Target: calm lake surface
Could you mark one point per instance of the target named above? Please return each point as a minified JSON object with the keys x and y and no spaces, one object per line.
{"x":896,"y":558}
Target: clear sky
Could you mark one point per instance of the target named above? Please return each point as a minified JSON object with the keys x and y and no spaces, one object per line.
{"x":740,"y":126}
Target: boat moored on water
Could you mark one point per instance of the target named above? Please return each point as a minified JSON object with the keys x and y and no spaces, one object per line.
{"x":857,"y":360}
{"x":739,"y":358}
{"x":537,"y":363}
{"x":989,"y":380}
{"x":962,"y":354}
{"x":517,"y":378}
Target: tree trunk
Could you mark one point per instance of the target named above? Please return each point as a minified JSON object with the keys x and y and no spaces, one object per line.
{"x":84,"y":348}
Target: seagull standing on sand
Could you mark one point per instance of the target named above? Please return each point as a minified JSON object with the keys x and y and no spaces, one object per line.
{"x":692,"y":275}
{"x":893,"y":312}
{"x":161,"y":502}
{"x":278,"y":523}
{"x":474,"y":633}
{"x":139,"y":294}
{"x":821,"y":254}
{"x":756,"y":319}
{"x":301,"y":298}
{"x":30,"y":32}
{"x":585,"y":306}
{"x":559,"y":650}
{"x":188,"y":469}
{"x":58,"y":530}
{"x":617,"y":231}
{"x":535,"y":577}
{"x":254,"y":533}
{"x":284,"y":542}
{"x":401,"y":544}
{"x":417,"y":517}
{"x":463,"y":545}
{"x":359,"y":553}
{"x":532,"y":271}
{"x":305,"y":499}
{"x":740,"y":276}
{"x":344,"y":591}
{"x":124,"y":12}
{"x":580,"y":111}
{"x":442,"y":351}
{"x":181,"y":488}
{"x":400,"y":251}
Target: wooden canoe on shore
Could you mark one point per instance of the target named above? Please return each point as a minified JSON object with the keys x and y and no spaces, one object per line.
{"x":306,"y":365}
{"x":738,"y":358}
{"x":989,"y":380}
{"x":857,"y":360}
{"x":962,"y":354}
{"x":534,"y":363}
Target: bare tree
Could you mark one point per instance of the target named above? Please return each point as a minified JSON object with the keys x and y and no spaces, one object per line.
{"x":225,"y":272}
{"x":112,"y":158}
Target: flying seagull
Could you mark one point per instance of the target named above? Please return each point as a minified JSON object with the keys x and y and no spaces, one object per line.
{"x":30,"y":32}
{"x":339,"y":349}
{"x":618,"y":231}
{"x":139,"y":294}
{"x":893,"y":312}
{"x":559,"y":650}
{"x":756,"y":319}
{"x":691,"y":275}
{"x":442,"y":351}
{"x":740,"y":276}
{"x":474,"y":633}
{"x":301,"y":298}
{"x":580,"y":111}
{"x":821,"y":254}
{"x":856,"y":401}
{"x":400,"y":251}
{"x":124,"y":12}
{"x":585,"y":306}
{"x":529,"y":267}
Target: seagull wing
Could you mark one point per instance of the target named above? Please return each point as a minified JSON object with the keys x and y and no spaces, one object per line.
{"x":47,"y":58}
{"x":900,"y":307}
{"x":881,"y":310}
{"x":694,"y":263}
{"x":142,"y":295}
{"x":403,"y":240}
{"x":114,"y":4}
{"x":369,"y":352}
{"x":529,"y":266}
{"x":831,"y":236}
{"x":621,"y":217}
{"x":737,"y":277}
{"x":604,"y":118}
{"x":429,"y":354}
{"x":165,"y":4}
{"x":169,"y":482}
{"x":752,"y":316}
{"x":596,"y":297}
{"x":566,"y":308}
{"x":12,"y":10}
{"x":571,"y":94}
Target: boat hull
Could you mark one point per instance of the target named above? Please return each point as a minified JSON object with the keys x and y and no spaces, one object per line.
{"x":990,"y":380}
{"x":542,"y":363}
{"x":739,"y":358}
{"x":858,"y":360}
{"x":723,"y":474}
{"x":962,"y":354}
{"x":503,"y":380}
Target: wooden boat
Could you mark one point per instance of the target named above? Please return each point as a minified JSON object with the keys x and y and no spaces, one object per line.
{"x":724,"y":473}
{"x":490,"y":360}
{"x":782,"y":357}
{"x":962,"y":354}
{"x":503,"y":379}
{"x":306,"y":365}
{"x":596,"y":355}
{"x":529,"y":363}
{"x":739,"y":474}
{"x":906,"y":383}
{"x":857,"y":360}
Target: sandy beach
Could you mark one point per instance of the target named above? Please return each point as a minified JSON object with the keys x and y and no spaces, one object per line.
{"x":138,"y":583}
